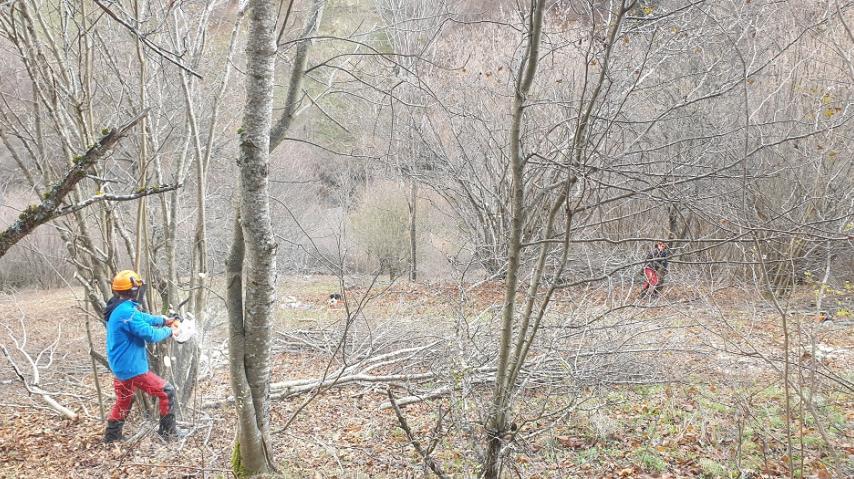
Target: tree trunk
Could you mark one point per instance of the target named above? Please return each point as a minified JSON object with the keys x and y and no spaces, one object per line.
{"x":250,"y":316}
{"x":413,"y":243}
{"x":250,"y":450}
{"x":277,"y":135}
{"x":499,"y":424}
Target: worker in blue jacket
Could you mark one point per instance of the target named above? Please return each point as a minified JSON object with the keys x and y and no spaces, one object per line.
{"x":128,"y":329}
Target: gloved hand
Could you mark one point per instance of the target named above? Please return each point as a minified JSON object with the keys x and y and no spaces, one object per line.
{"x":174,"y":327}
{"x":171,"y":316}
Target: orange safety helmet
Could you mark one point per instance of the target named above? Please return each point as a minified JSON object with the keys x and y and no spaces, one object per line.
{"x":127,"y":280}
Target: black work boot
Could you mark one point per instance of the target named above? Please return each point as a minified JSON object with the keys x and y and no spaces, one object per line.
{"x":168,"y":428}
{"x":114,"y":431}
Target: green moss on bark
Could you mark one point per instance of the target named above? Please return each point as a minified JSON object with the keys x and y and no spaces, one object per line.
{"x":237,"y":467}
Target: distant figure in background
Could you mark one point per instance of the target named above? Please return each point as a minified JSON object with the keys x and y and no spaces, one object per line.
{"x":333,"y":299}
{"x":655,"y":269}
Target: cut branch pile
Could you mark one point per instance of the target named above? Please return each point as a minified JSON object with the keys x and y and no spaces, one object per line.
{"x":426,"y":367}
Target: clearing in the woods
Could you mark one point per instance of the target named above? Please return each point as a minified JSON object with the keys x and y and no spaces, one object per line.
{"x":683,"y":386}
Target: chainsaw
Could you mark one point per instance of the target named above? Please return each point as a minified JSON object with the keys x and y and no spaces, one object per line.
{"x":186,"y":323}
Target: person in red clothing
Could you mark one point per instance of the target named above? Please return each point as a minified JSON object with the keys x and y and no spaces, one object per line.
{"x":655,"y":269}
{"x":128,"y":329}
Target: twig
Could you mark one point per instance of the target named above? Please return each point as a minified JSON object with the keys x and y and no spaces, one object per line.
{"x":15,"y":368}
{"x":98,"y":357}
{"x":425,"y":455}
{"x":153,"y":190}
{"x":165,"y":54}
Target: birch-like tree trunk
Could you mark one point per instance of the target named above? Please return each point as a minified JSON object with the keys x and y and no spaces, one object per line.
{"x":250,"y":316}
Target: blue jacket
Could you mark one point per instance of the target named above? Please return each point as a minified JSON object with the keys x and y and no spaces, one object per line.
{"x":128,"y":329}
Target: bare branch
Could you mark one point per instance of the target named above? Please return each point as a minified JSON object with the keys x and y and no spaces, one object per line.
{"x":425,"y":455}
{"x":165,"y":54}
{"x":36,"y":215}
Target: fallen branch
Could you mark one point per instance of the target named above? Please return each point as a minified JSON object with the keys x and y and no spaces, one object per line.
{"x":425,"y":454}
{"x":178,"y":466}
{"x":290,"y":388}
{"x":362,"y":366}
{"x":301,"y":386}
{"x":33,"y":386}
{"x":287,"y":389}
{"x":439,"y":392}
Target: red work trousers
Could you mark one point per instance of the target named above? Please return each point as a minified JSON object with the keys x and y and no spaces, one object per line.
{"x":150,"y":383}
{"x":652,"y":279}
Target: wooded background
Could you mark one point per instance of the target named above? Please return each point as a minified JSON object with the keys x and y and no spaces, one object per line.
{"x":540,"y":146}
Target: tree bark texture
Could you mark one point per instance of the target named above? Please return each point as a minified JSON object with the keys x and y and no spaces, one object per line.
{"x":250,"y":315}
{"x":252,"y":456}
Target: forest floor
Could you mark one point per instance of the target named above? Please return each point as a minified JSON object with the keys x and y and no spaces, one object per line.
{"x":715,"y":414}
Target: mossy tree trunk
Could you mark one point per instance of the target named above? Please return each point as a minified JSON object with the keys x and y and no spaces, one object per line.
{"x":250,"y":312}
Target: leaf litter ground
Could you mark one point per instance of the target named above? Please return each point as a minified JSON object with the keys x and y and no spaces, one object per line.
{"x":724,"y":417}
